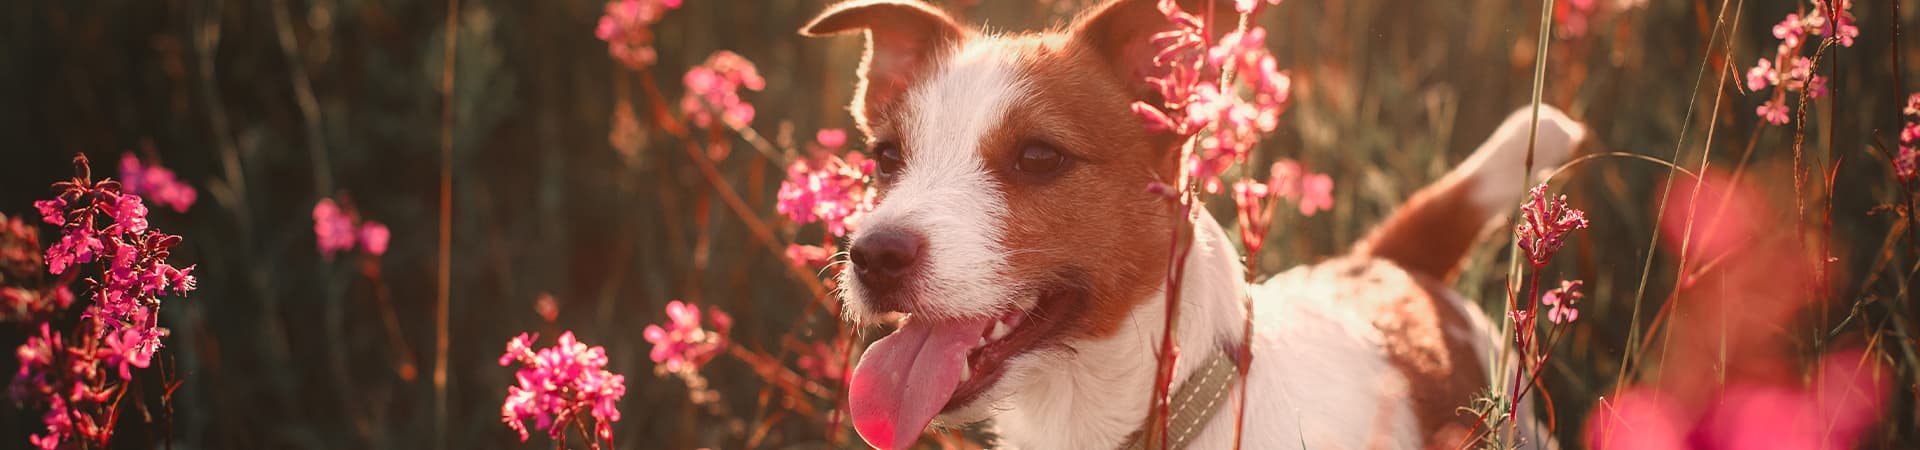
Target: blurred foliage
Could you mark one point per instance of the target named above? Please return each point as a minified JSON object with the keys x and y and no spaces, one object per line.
{"x":268,"y":111}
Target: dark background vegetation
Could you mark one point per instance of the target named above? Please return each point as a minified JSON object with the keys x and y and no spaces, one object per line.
{"x":282,"y":349}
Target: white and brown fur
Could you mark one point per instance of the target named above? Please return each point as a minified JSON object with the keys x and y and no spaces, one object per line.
{"x":1367,"y":350}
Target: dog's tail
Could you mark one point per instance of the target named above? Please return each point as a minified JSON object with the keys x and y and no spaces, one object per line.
{"x":1433,"y":231}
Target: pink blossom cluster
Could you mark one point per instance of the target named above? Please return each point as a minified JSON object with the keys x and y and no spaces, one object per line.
{"x":1194,"y":99}
{"x":557,"y":384}
{"x":1559,"y":302}
{"x":681,"y":345}
{"x":334,"y":231}
{"x":1905,"y":162}
{"x":99,"y":224}
{"x":1544,"y":225}
{"x":825,"y":186}
{"x":713,"y":88}
{"x":155,"y":183}
{"x":1792,"y":72}
{"x":624,"y":27}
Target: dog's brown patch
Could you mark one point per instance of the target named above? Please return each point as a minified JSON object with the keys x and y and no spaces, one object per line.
{"x":1426,"y":335}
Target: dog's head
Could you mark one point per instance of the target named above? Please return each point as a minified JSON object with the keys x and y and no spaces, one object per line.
{"x":1014,"y":216}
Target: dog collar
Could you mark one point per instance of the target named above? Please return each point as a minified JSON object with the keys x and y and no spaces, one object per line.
{"x":1194,"y":404}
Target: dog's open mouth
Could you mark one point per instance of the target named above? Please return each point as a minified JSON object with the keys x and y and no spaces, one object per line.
{"x":927,"y":367}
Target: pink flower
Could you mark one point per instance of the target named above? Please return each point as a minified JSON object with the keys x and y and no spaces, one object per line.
{"x":1775,"y":111}
{"x":1316,"y":194}
{"x":54,"y":211}
{"x":1912,"y":109}
{"x":555,"y":384}
{"x":1761,"y":75}
{"x":77,"y":245}
{"x":825,"y":188}
{"x":129,"y":215}
{"x":713,"y":88}
{"x":1790,"y":30}
{"x":681,"y":345}
{"x":373,"y":238}
{"x":624,"y":28}
{"x":332,"y":230}
{"x":1560,"y":302}
{"x":129,"y":348}
{"x":156,"y":183}
{"x":1544,"y":224}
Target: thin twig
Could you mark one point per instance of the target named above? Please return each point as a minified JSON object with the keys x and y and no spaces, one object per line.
{"x":442,"y":304}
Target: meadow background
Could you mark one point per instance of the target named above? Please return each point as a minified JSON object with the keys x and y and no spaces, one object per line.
{"x":268,"y":106}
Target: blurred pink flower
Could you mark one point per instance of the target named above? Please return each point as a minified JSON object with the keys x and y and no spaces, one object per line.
{"x":1544,"y":225}
{"x":332,"y":229}
{"x":1311,"y":192}
{"x":1790,"y":30}
{"x":373,"y":238}
{"x":809,"y":255}
{"x":1840,"y":405}
{"x":547,"y":307}
{"x":831,"y":138}
{"x":1775,"y":111}
{"x":624,"y":28}
{"x":558,"y":383}
{"x":1905,"y":162}
{"x":681,"y":345}
{"x":1761,"y":75}
{"x":1913,"y":105}
{"x":1559,"y":302}
{"x":1573,"y":16}
{"x":713,"y":88}
{"x":156,"y":183}
{"x":1316,"y":193}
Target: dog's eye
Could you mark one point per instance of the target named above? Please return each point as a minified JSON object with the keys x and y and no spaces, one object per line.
{"x":888,"y":159}
{"x":1038,"y":159}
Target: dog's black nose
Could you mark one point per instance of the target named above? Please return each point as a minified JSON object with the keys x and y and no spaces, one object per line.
{"x":884,"y":258}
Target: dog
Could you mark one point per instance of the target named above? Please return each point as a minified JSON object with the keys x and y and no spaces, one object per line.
{"x":1014,"y":230}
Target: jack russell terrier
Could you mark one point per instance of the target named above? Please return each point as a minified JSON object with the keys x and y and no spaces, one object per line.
{"x":1015,"y":230}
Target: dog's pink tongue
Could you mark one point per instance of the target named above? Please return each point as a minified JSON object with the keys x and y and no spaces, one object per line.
{"x":907,"y":377}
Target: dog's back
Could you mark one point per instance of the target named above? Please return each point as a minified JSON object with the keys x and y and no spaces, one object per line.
{"x":1372,"y":349}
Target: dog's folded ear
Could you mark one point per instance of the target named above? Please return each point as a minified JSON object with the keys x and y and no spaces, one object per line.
{"x":904,"y":38}
{"x":1123,"y":31}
